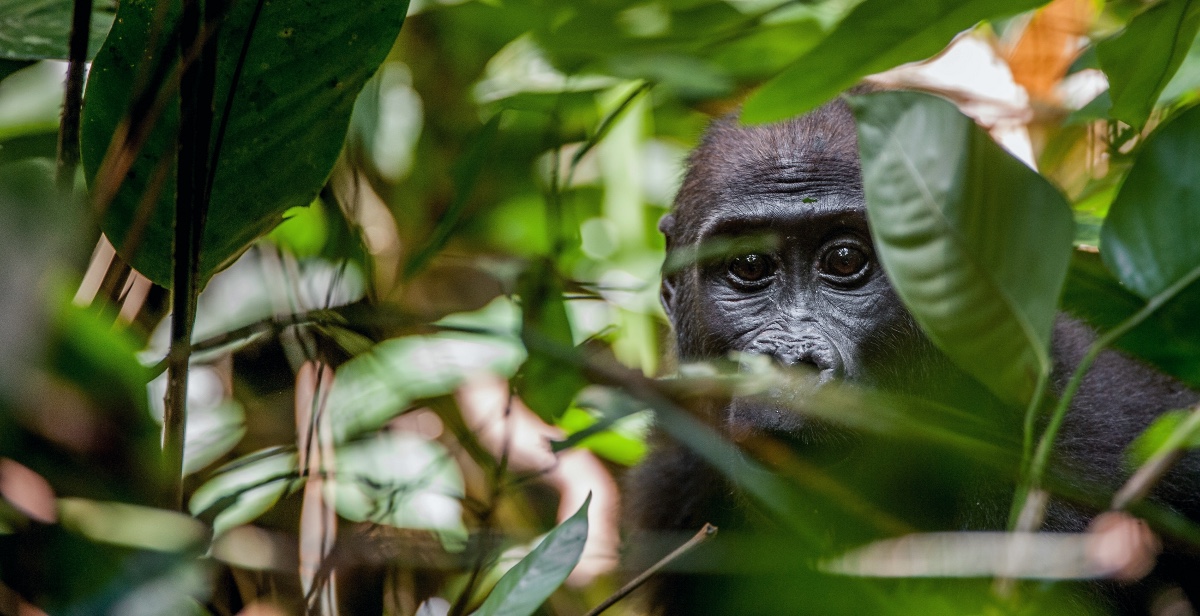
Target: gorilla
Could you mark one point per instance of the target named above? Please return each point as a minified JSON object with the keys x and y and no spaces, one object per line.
{"x":798,"y":281}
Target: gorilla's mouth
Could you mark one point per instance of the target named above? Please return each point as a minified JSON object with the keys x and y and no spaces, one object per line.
{"x":777,"y":416}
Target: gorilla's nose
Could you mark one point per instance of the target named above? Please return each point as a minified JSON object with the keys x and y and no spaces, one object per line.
{"x":818,"y":354}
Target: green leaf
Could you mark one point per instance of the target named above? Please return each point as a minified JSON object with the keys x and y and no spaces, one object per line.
{"x":1167,"y":429}
{"x":1149,"y":239}
{"x":246,"y":488}
{"x":305,"y":64}
{"x":877,"y":35}
{"x":548,"y":381}
{"x":530,"y":582}
{"x":976,"y":244}
{"x":1167,"y":339}
{"x":1142,"y":58}
{"x":374,"y":387}
{"x":39,"y":29}
{"x":403,"y":480}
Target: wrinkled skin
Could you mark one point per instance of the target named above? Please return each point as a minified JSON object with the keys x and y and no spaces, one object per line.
{"x":797,"y":279}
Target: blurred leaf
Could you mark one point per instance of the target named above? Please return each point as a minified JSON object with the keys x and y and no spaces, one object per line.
{"x":39,"y":29}
{"x":548,"y":380}
{"x":131,"y":525}
{"x":1154,"y":437}
{"x":1186,"y":79}
{"x":402,"y":480}
{"x":8,"y":67}
{"x":1142,"y":58}
{"x":976,"y":243}
{"x":466,"y":172}
{"x":246,"y":488}
{"x":304,"y":230}
{"x":284,"y":102}
{"x":621,"y":440}
{"x":31,"y":101}
{"x":877,"y":35}
{"x":373,"y":388}
{"x":1149,"y":237}
{"x":527,"y":585}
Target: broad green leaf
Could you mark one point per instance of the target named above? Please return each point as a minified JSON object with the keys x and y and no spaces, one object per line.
{"x":1167,"y":339}
{"x":246,"y":488}
{"x":1150,"y":237}
{"x":1141,"y":60}
{"x":976,"y":244}
{"x":375,"y":387}
{"x":530,"y":582}
{"x":877,"y":35}
{"x":548,"y":380}
{"x":403,"y":480}
{"x":304,"y":65}
{"x":132,"y":526}
{"x":39,"y":29}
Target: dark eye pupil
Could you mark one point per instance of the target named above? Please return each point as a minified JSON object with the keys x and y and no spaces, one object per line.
{"x":845,"y":261}
{"x":751,"y":268}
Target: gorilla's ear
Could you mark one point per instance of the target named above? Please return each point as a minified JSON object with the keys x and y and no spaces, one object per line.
{"x":666,"y":295}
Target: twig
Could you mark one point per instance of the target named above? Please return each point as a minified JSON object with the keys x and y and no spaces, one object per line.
{"x":704,"y":534}
{"x":68,"y":129}
{"x":1148,"y":474}
{"x":197,"y":87}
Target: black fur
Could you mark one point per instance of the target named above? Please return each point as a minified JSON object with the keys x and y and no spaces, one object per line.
{"x":798,"y":182}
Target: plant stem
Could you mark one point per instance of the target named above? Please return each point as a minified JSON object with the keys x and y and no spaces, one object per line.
{"x":1041,"y":457}
{"x":197,"y":85}
{"x":68,"y":129}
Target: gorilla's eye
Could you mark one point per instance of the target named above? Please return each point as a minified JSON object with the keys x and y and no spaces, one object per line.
{"x":752,"y":268}
{"x":844,"y":262}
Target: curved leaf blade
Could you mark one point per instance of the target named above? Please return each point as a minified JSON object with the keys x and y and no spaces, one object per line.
{"x":305,"y":65}
{"x":1149,"y":239}
{"x":976,"y":244}
{"x":877,"y":35}
{"x":530,"y":582}
{"x":1141,"y":60}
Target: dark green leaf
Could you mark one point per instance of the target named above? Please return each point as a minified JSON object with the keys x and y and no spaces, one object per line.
{"x":1149,"y":239}
{"x":38,"y":29}
{"x":1168,"y":339}
{"x":530,"y":582}
{"x":548,"y":380}
{"x":976,"y":243}
{"x":1142,"y":58}
{"x":305,"y":64}
{"x":875,"y":36}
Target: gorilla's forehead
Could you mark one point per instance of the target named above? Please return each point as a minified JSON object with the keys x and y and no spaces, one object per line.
{"x":806,"y":168}
{"x":754,"y":214}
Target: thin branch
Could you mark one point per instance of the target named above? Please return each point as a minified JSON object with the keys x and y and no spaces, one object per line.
{"x":704,"y":534}
{"x":464,"y":598}
{"x":1148,"y":474}
{"x":197,"y":88}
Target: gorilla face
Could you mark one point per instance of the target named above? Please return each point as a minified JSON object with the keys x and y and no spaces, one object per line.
{"x":796,"y":277}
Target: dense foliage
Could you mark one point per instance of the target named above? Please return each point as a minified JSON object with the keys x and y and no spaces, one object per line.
{"x":295,"y":334}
